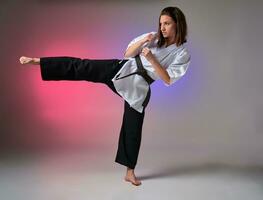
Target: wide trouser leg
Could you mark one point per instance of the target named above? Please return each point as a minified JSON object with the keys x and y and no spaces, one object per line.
{"x":130,"y":137}
{"x":72,"y":68}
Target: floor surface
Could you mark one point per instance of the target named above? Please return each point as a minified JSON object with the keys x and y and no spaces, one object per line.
{"x":84,"y":176}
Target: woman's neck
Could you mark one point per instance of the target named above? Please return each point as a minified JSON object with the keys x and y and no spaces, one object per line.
{"x":169,"y":41}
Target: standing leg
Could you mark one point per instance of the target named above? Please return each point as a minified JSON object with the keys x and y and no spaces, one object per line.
{"x":130,"y":137}
{"x":130,"y":141}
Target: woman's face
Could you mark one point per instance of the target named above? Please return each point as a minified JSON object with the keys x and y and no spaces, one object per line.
{"x":167,"y":27}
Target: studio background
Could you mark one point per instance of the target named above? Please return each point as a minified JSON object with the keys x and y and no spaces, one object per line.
{"x":212,"y":114}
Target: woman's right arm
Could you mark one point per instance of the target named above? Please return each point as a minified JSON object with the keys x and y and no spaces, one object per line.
{"x":134,"y":49}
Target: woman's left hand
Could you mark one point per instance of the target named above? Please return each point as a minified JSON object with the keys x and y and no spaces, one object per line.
{"x":146,"y":52}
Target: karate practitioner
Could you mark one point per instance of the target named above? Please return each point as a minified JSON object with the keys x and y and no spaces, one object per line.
{"x":149,"y":57}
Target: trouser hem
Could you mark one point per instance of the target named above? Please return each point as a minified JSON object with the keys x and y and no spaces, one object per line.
{"x":125,"y":164}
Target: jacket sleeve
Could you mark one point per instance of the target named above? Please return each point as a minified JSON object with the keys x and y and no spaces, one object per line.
{"x":139,"y":38}
{"x":179,"y":66}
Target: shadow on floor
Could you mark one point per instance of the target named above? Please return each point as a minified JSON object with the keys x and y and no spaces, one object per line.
{"x":206,"y":168}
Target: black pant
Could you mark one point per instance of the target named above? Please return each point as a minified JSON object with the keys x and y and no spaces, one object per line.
{"x":101,"y":71}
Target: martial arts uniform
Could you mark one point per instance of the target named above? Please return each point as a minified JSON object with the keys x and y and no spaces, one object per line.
{"x":119,"y":76}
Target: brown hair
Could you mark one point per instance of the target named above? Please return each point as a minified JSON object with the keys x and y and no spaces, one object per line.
{"x":181,"y":27}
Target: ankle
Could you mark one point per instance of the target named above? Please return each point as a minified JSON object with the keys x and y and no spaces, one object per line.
{"x":129,"y":169}
{"x":35,"y":61}
{"x":130,"y":172}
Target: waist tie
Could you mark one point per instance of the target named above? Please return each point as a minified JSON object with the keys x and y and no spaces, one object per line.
{"x":140,"y":71}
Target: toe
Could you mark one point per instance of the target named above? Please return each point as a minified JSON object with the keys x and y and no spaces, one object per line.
{"x":133,"y":180}
{"x":136,"y":182}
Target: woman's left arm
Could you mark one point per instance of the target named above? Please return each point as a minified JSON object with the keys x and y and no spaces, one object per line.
{"x":146,"y":52}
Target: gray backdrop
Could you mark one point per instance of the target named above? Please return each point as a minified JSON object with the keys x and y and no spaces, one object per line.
{"x":219,"y":117}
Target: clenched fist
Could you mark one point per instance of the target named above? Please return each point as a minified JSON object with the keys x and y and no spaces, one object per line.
{"x":146,"y":52}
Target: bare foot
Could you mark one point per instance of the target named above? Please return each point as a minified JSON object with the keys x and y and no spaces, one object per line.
{"x":130,"y":177}
{"x":25,"y":60}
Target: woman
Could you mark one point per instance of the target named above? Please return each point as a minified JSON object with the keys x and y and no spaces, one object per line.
{"x":149,"y":57}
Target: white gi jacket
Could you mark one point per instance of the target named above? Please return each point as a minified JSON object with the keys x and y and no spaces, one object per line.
{"x":134,"y":88}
